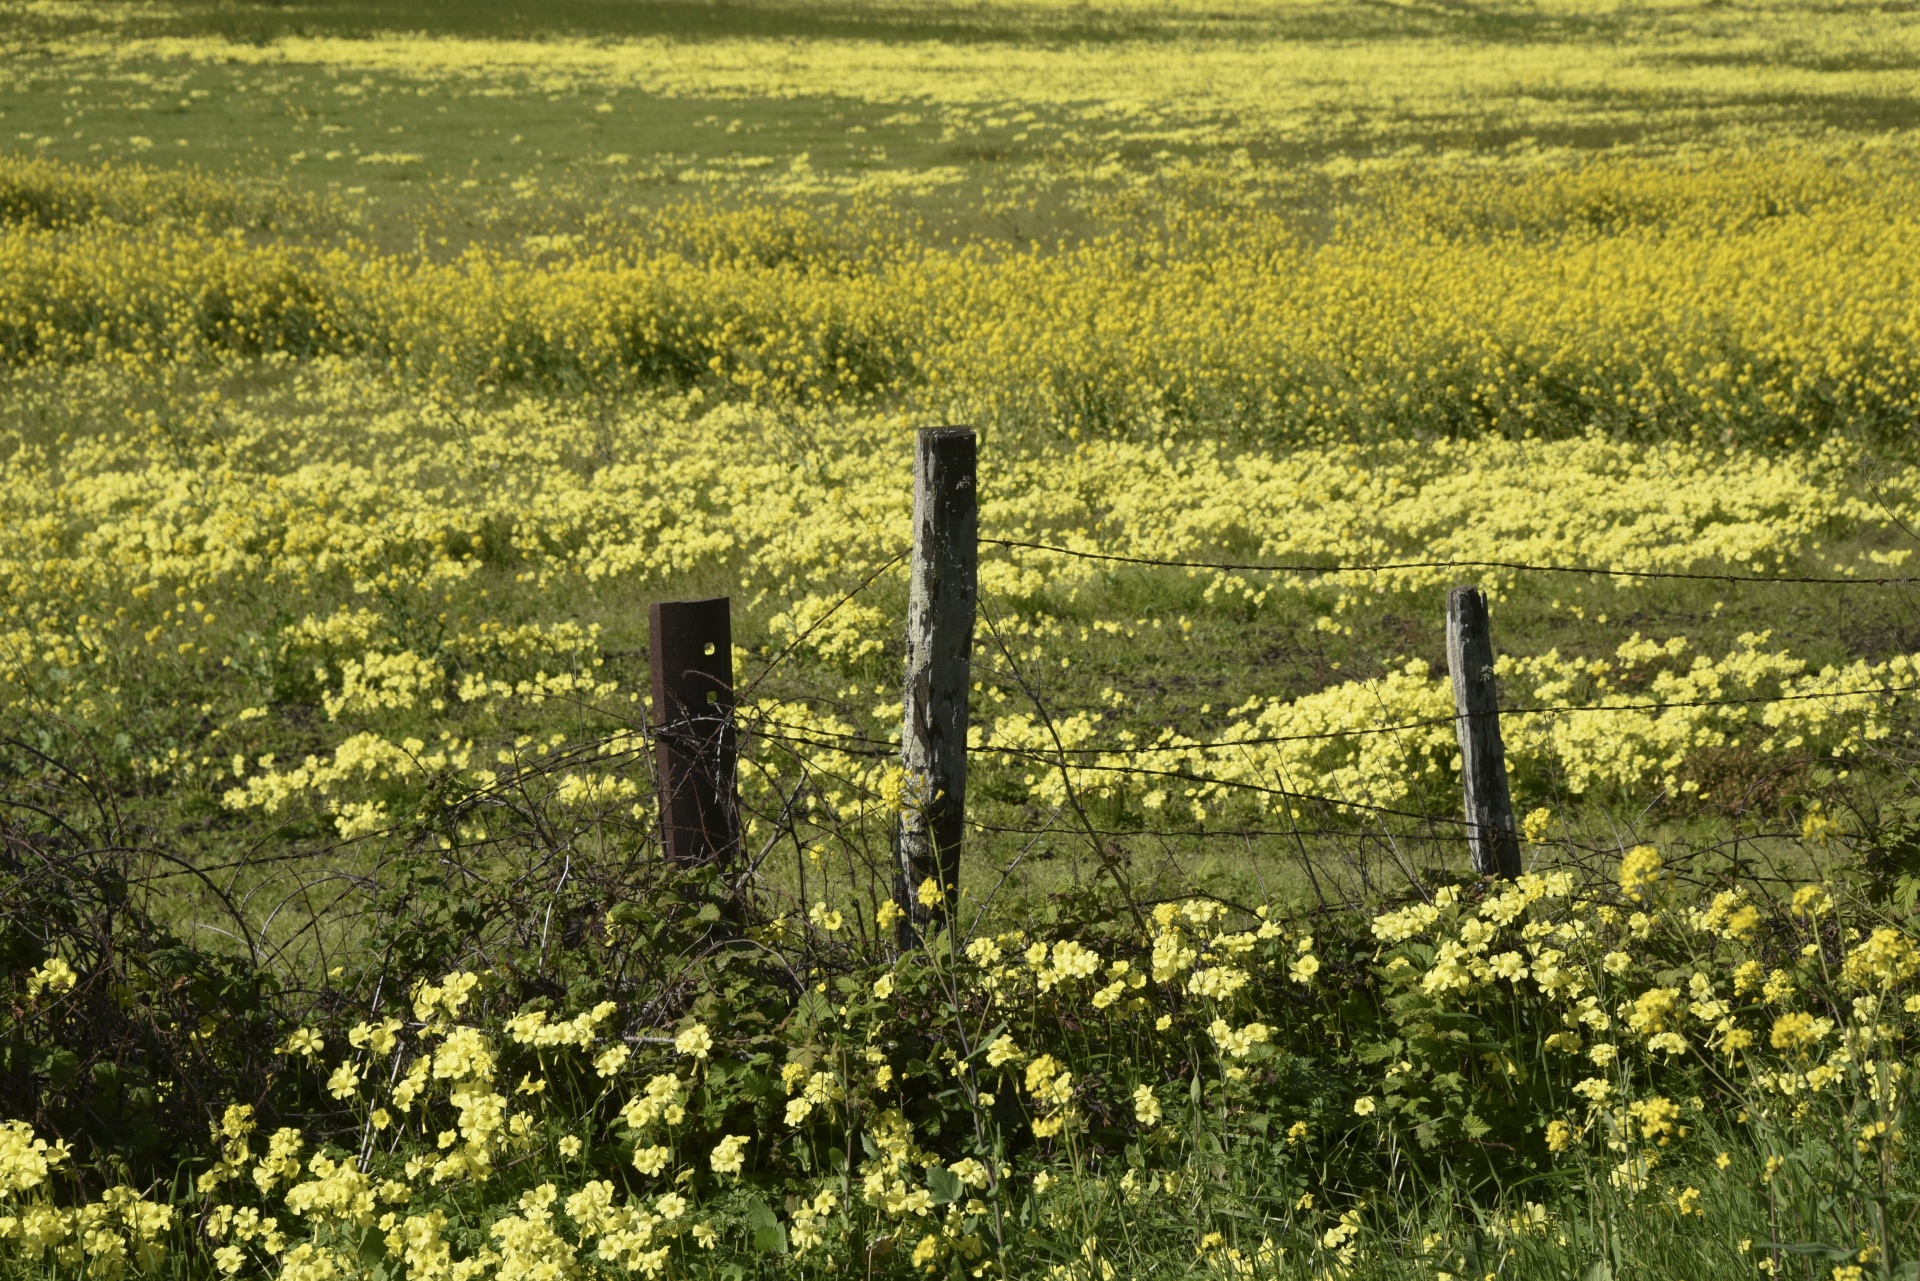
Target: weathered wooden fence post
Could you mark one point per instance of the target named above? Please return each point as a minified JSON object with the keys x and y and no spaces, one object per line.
{"x":1483,"y":762}
{"x":940,"y":608}
{"x":691,"y":648}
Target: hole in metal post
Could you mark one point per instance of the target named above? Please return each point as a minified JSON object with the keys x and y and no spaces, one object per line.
{"x":713,"y":696}
{"x":709,"y":649}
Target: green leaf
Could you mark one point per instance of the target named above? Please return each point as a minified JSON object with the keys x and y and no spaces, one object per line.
{"x":769,"y":1234}
{"x":1816,"y":1248}
{"x":811,"y":1008}
{"x":1378,"y":1050}
{"x":60,"y":1065}
{"x":945,"y":1184}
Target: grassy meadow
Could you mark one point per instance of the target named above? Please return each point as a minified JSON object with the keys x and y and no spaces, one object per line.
{"x":367,"y":369}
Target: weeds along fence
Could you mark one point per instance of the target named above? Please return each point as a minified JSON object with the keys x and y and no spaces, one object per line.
{"x":698,"y":722}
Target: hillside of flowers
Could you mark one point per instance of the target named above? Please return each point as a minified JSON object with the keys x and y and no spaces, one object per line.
{"x":367,"y":370}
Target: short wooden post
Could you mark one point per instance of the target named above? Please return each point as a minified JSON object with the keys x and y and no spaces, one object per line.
{"x":691,"y":648}
{"x":940,"y":607}
{"x":1483,"y":763}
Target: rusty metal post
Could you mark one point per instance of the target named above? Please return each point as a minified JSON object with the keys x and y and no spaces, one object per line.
{"x":691,"y":647}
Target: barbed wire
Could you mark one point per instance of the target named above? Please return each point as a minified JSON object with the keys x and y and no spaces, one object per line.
{"x":1392,"y":566}
{"x":1052,"y":758}
{"x":854,"y":743}
{"x":1201,"y":833}
{"x":869,"y":745}
{"x":871,"y":578}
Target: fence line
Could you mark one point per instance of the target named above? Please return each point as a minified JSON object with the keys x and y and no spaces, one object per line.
{"x":1205,"y":780}
{"x":1390,"y":566}
{"x":1200,"y":833}
{"x":932,"y":747}
{"x":886,"y":747}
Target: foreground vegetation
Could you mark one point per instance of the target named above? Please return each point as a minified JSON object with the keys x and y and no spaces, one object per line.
{"x":362,"y":387}
{"x":1636,"y":1078}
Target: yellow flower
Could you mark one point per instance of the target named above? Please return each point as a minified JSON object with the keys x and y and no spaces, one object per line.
{"x":1669,"y":1042}
{"x":1238,"y":1043}
{"x":1595,"y":1089}
{"x":1818,"y":828}
{"x":1810,"y":901}
{"x":1654,"y":1010}
{"x":1887,"y":958}
{"x":380,"y":1037}
{"x":56,"y":976}
{"x":696,"y":1041}
{"x":1799,"y":1031}
{"x":304,"y":1041}
{"x":1560,"y":1136}
{"x":1659,"y":1118}
{"x":1364,"y":1105}
{"x":1146,"y":1107}
{"x":344,"y":1083}
{"x":729,"y":1155}
{"x":1639,"y":871}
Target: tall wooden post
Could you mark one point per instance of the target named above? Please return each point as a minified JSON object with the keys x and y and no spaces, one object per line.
{"x":691,"y":648}
{"x":940,"y":608}
{"x":1483,"y":761}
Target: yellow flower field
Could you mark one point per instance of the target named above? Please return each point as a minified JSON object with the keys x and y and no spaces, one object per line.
{"x":368,"y":371}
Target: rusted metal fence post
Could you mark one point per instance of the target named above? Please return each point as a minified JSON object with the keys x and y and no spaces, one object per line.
{"x":940,"y":610}
{"x":1483,"y":763}
{"x":691,"y":648}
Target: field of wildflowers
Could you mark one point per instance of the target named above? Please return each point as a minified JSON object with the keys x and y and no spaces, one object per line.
{"x":365,"y":375}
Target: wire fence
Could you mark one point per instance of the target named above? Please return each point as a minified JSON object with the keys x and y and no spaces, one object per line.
{"x":1384,"y":567}
{"x":799,"y":762}
{"x":1181,"y":759}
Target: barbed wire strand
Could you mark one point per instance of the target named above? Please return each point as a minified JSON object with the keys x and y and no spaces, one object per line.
{"x":881,"y":747}
{"x":1391,"y":566}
